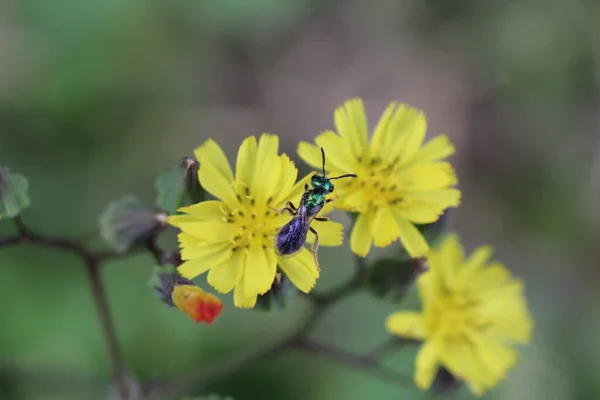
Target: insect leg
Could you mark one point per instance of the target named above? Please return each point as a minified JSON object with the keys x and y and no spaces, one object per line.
{"x":315,"y":246}
{"x":321,"y":218}
{"x":287,"y":208}
{"x":292,"y":206}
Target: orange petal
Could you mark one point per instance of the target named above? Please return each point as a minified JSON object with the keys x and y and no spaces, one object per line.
{"x":196,"y":303}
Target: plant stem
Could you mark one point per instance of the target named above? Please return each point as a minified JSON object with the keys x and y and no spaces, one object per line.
{"x":108,"y":329}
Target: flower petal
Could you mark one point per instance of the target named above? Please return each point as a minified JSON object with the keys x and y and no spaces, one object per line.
{"x":412,"y":240}
{"x":362,"y":232}
{"x":287,"y":180}
{"x":436,"y":149}
{"x":410,"y":131}
{"x":385,"y":231}
{"x":350,"y":123}
{"x":225,"y":276}
{"x":202,"y":258}
{"x":427,"y":363}
{"x":210,"y":152}
{"x":381,"y":134}
{"x":338,"y":158}
{"x":267,"y":145}
{"x":425,"y":177}
{"x":427,"y":207}
{"x":407,"y":325}
{"x":301,"y":270}
{"x":206,"y":210}
{"x":330,"y":233}
{"x":266,"y":178}
{"x":240,"y":300}
{"x":217,"y":184}
{"x":260,"y":270}
{"x":246,"y":161}
{"x":208,"y":231}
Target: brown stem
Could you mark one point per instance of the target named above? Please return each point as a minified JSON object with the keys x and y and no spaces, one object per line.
{"x":365,"y":363}
{"x":108,"y":328}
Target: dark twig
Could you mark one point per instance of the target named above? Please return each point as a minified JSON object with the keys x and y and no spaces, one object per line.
{"x":366,"y":363}
{"x":114,"y":352}
{"x":173,"y":387}
{"x":93,"y":261}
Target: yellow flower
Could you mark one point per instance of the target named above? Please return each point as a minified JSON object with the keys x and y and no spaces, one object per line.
{"x":400,"y":182}
{"x":233,"y":237}
{"x":473,"y":311}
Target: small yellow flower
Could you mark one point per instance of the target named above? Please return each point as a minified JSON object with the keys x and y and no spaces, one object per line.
{"x":400,"y":182}
{"x":233,"y":238}
{"x":473,"y":311}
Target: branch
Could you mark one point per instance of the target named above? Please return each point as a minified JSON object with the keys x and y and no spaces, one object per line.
{"x":366,"y":363}
{"x":93,"y":261}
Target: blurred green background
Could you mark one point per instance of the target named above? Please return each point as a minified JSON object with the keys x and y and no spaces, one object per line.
{"x":98,"y":98}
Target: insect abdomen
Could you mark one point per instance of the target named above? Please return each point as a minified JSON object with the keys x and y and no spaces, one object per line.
{"x":291,"y":237}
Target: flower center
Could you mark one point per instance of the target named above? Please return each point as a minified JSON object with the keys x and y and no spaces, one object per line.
{"x":254,"y":224}
{"x":455,"y":315}
{"x":376,"y":180}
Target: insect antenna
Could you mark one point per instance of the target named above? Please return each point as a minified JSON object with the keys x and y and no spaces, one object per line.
{"x":344,"y":176}
{"x":323,"y":158}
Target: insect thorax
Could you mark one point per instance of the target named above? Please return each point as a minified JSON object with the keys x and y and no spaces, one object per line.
{"x":314,"y":199}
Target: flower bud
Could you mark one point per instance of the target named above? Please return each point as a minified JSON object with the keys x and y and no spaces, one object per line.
{"x":126,"y":222}
{"x":279,"y":297}
{"x":444,"y":382}
{"x":179,"y":187}
{"x":176,"y":291}
{"x":13,"y":193}
{"x":391,"y":279}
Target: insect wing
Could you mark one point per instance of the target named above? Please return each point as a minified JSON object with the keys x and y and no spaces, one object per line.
{"x":292,"y":236}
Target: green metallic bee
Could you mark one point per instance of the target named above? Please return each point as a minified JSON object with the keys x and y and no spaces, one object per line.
{"x":292,"y":236}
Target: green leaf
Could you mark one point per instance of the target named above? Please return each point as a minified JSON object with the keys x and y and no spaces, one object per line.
{"x":13,"y":193}
{"x":280,"y":297}
{"x":126,"y":221}
{"x":391,"y":278}
{"x":179,"y":187}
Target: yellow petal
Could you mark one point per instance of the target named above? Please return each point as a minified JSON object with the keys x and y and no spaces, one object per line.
{"x":354,"y":201}
{"x":225,"y":276}
{"x":338,"y":158}
{"x":268,"y":145}
{"x":385,"y":230}
{"x":427,"y":363}
{"x":436,"y":149}
{"x":425,"y":177}
{"x":412,"y":135}
{"x":382,"y":131}
{"x":301,"y":270}
{"x":260,"y":270}
{"x":344,"y":119}
{"x":246,"y":161}
{"x":217,"y":184}
{"x":427,"y":207}
{"x":295,"y":194}
{"x":209,"y":231}
{"x":266,"y":178}
{"x":202,"y":258}
{"x":476,"y":261}
{"x":361,"y":236}
{"x":206,"y":210}
{"x":330,"y":233}
{"x":495,"y":355}
{"x":358,"y":118}
{"x":412,"y":240}
{"x":287,"y":179}
{"x":407,"y":325}
{"x":240,"y":300}
{"x":448,"y":260}
{"x":211,"y":153}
